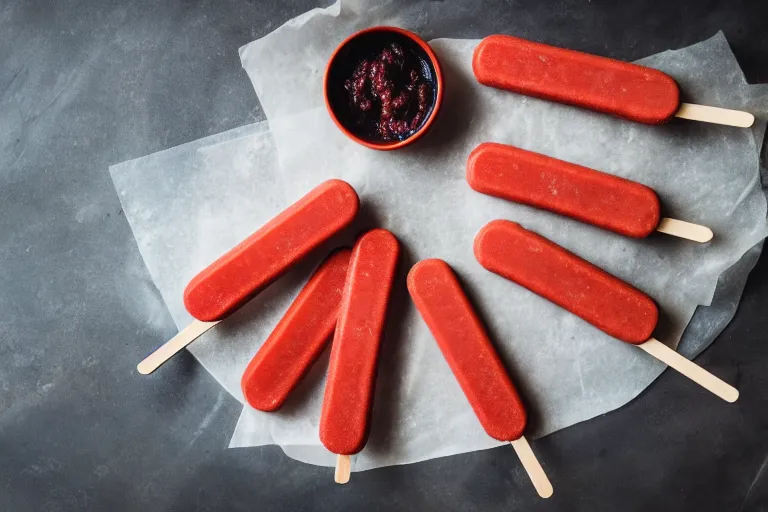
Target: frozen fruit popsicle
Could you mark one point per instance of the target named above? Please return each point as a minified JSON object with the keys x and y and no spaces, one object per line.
{"x":344,"y":421}
{"x":249,"y":267}
{"x":637,"y":93}
{"x":299,"y":338}
{"x":584,"y":194}
{"x":464,"y":342}
{"x":611,"y":305}
{"x":253,"y":264}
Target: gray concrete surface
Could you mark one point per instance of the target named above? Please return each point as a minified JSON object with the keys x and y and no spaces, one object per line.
{"x":88,"y":83}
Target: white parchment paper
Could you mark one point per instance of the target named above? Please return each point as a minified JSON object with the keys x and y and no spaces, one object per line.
{"x":189,"y":204}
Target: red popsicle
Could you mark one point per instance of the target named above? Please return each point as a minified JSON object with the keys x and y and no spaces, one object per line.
{"x":249,"y":267}
{"x":299,"y":338}
{"x":611,"y":305}
{"x":611,"y":86}
{"x":547,"y":269}
{"x":587,"y":195}
{"x":626,"y":90}
{"x":466,"y":347}
{"x":344,"y":421}
{"x":242,"y":272}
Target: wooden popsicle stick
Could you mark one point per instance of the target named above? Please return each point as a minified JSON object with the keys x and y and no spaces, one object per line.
{"x":715,"y":115}
{"x":687,"y":230}
{"x":189,"y":334}
{"x":690,"y":369}
{"x":343,"y":469}
{"x":532,"y":467}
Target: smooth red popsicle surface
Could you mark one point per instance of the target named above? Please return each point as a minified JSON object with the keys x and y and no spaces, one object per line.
{"x":299,"y":338}
{"x":344,"y":421}
{"x":611,"y":86}
{"x":585,"y":290}
{"x":464,"y":342}
{"x":587,"y":195}
{"x":245,"y":270}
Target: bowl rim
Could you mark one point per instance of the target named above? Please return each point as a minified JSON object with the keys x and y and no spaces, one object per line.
{"x":388,"y":146}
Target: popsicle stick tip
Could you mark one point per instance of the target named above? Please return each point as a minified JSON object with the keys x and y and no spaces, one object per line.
{"x":707,"y":235}
{"x":343,"y":469}
{"x":532,"y":467}
{"x":545,"y":489}
{"x":687,"y":230}
{"x":189,"y":334}
{"x":691,"y":370}
{"x":144,"y":368}
{"x":715,"y":115}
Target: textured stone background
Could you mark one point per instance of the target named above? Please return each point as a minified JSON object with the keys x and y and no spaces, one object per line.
{"x":87,"y":83}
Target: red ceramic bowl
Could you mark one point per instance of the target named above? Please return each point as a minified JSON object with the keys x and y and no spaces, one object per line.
{"x":366,"y":44}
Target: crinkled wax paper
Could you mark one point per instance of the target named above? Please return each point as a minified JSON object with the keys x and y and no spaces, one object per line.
{"x":189,"y":204}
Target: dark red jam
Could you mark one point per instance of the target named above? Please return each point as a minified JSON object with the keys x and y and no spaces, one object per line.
{"x":389,"y":93}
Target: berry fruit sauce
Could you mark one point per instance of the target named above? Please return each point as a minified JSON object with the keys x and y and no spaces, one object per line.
{"x":381,"y":86}
{"x":390,"y":93}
